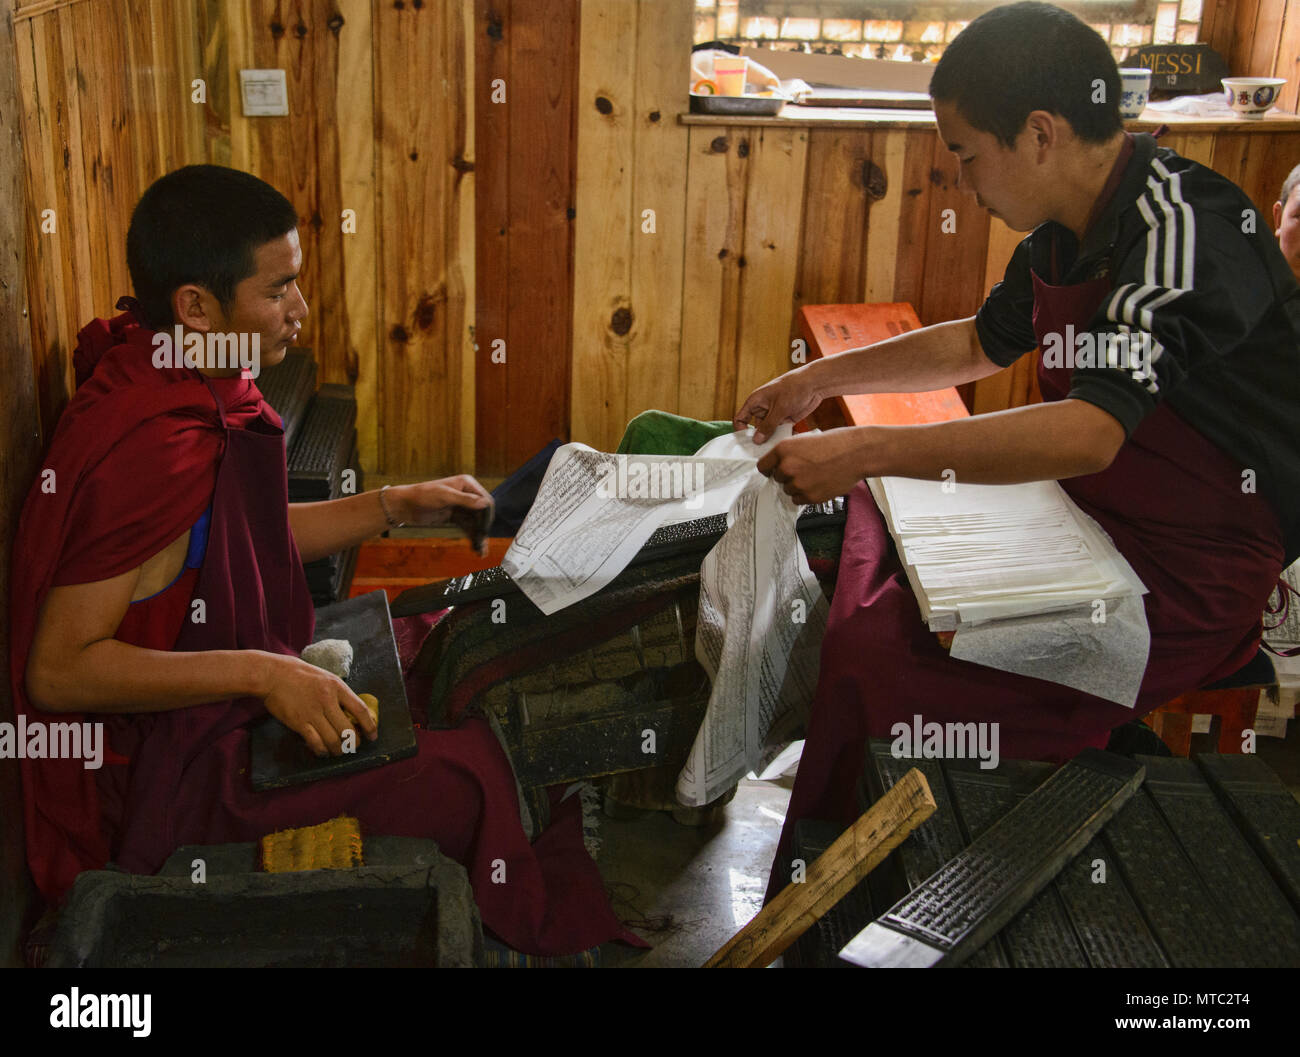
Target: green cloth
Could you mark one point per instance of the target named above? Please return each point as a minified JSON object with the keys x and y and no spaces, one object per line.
{"x":661,"y":433}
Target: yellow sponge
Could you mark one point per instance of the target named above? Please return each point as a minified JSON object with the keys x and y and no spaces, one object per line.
{"x":333,"y":845}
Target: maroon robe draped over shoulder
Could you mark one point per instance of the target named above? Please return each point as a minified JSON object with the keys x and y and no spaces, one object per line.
{"x":139,"y":454}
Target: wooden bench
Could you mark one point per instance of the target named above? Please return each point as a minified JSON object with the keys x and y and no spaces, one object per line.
{"x":831,"y":329}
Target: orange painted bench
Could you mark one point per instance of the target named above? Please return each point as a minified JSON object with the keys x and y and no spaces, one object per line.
{"x":829,"y":329}
{"x":393,"y":565}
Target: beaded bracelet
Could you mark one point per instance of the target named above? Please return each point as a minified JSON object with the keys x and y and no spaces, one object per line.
{"x":383,"y":505}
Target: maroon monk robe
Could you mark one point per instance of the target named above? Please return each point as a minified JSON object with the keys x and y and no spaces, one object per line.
{"x":187,"y":777}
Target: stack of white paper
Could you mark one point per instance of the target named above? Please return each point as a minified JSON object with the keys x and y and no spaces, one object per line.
{"x":975,"y":553}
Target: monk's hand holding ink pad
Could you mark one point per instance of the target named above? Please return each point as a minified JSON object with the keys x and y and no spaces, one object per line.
{"x":372,"y":706}
{"x":459,"y":501}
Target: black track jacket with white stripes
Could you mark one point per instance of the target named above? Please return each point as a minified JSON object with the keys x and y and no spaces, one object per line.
{"x":1205,"y":313}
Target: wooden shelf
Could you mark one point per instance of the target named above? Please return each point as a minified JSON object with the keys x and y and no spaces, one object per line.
{"x":855,"y":117}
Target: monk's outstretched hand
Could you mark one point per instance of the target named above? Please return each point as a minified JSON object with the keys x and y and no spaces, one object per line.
{"x":459,"y":501}
{"x":315,"y":705}
{"x":815,"y":467}
{"x":790,"y":398}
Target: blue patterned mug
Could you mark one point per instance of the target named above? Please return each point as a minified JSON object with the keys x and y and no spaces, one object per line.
{"x":1135,"y":88}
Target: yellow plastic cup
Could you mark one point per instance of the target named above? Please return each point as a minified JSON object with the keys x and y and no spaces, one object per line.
{"x":730,"y":74}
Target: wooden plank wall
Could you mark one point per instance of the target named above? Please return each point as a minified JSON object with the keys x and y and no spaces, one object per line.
{"x":775,"y":218}
{"x":19,"y":458}
{"x":93,"y":140}
{"x":526,"y":58}
{"x":626,"y":261}
{"x":381,"y":123}
{"x":630,"y":204}
{"x":1257,"y":38}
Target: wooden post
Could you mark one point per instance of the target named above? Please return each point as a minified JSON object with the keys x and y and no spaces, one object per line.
{"x":858,"y":851}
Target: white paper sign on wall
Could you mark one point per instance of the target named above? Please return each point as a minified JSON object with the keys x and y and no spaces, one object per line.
{"x":264,"y":93}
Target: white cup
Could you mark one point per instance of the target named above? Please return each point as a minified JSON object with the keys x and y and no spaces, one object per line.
{"x":1135,"y":89}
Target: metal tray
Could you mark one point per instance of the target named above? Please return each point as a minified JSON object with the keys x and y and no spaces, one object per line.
{"x":737,"y":105}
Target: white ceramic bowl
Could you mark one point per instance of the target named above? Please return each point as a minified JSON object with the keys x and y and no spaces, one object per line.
{"x":1250,"y":97}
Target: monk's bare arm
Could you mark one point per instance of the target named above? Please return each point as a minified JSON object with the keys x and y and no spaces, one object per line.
{"x":324,"y":528}
{"x":1041,"y":442}
{"x":919,"y":361}
{"x":75,"y":665}
{"x":916,"y":362}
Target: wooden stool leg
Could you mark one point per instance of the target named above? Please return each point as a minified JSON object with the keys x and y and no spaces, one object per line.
{"x":1175,"y":730}
{"x":1236,"y":715}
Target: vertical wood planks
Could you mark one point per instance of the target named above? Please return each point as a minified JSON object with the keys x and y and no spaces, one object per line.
{"x":112,"y":80}
{"x":602,"y":311}
{"x":1257,"y":164}
{"x":664,"y":37}
{"x":357,"y":132}
{"x":1195,"y":146}
{"x":717,"y":175}
{"x":74,"y":216}
{"x":321,"y":85}
{"x":111,"y":188}
{"x":914,"y":220}
{"x":493,"y":20}
{"x":888,"y":151}
{"x":141,"y":84}
{"x":419,"y":375}
{"x":215,"y":60}
{"x":770,"y":256}
{"x":1217,"y":26}
{"x":524,"y":99}
{"x":20,"y":445}
{"x":1288,"y":57}
{"x":1238,"y":37}
{"x":462,"y":280}
{"x":1261,"y":60}
{"x":601,"y":319}
{"x":1257,"y":38}
{"x":957,"y":244}
{"x":45,"y":250}
{"x":837,"y":200}
{"x":181,"y":55}
{"x":536,"y":287}
{"x":1002,"y":243}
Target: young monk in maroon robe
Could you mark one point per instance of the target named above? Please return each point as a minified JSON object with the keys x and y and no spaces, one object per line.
{"x":1191,"y":463}
{"x":166,"y":485}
